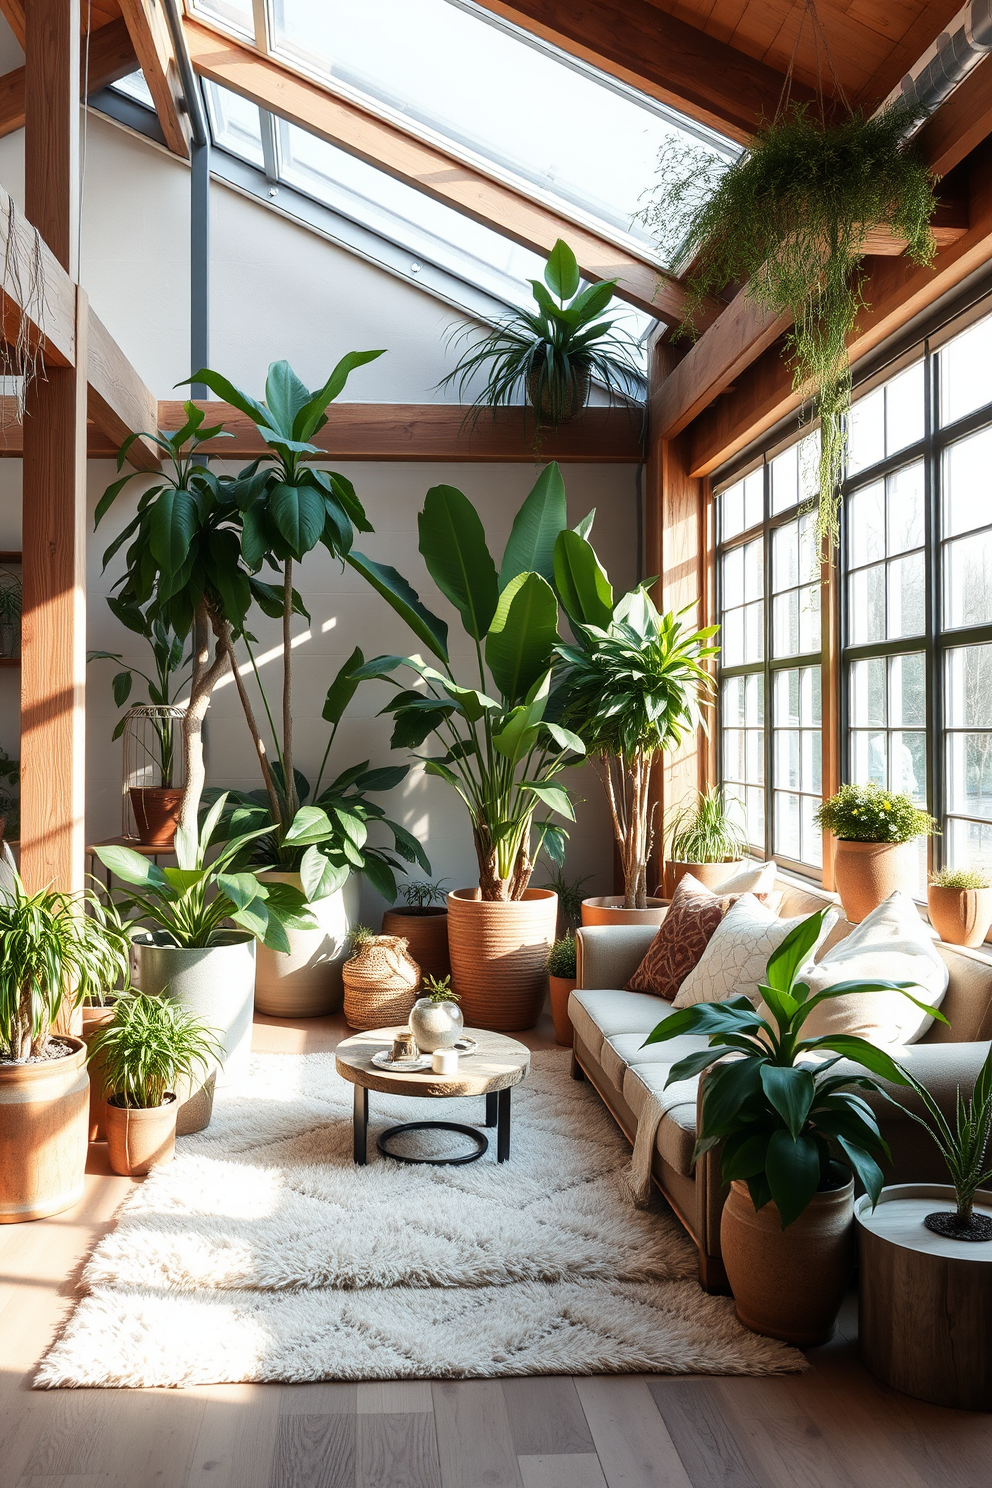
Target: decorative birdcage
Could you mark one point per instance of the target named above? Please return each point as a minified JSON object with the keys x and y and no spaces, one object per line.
{"x":153,"y":780}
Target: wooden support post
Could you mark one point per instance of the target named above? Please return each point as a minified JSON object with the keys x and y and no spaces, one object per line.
{"x":54,"y":542}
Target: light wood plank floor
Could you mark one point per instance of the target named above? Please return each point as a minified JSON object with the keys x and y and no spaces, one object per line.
{"x":834,"y":1427}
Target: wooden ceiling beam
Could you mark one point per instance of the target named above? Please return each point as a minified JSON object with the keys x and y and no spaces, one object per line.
{"x":669,"y":59}
{"x":149,"y":28}
{"x":435,"y":431}
{"x":896,"y":290}
{"x":485,"y":199}
{"x":13,"y":11}
{"x":112,"y":56}
{"x":118,"y":401}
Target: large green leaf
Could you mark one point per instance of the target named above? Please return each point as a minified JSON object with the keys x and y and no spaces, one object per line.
{"x":554,"y":796}
{"x":453,"y":542}
{"x":321,"y":877}
{"x":793,"y":1171}
{"x":342,"y":689}
{"x":171,"y":528}
{"x":531,"y":544}
{"x":523,"y":635}
{"x":225,"y":389}
{"x":790,"y":1091}
{"x":785,"y":961}
{"x":405,"y":601}
{"x":581,"y":581}
{"x":309,"y":416}
{"x":561,"y":273}
{"x":132,"y":867}
{"x":298,"y":513}
{"x":285,"y":395}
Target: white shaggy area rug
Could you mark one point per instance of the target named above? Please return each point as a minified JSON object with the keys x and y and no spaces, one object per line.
{"x":263,"y":1253}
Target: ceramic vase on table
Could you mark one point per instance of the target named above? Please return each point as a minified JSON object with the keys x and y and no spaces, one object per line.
{"x":436,"y":1025}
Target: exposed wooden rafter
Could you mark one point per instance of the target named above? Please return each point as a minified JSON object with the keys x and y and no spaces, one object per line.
{"x":13,"y":11}
{"x":112,"y":56}
{"x":223,"y":60}
{"x":149,"y":28}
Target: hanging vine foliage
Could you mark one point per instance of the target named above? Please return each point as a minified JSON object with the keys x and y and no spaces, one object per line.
{"x":790,"y":218}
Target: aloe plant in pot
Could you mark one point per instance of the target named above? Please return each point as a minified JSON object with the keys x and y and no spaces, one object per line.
{"x":53,"y":955}
{"x":500,"y":750}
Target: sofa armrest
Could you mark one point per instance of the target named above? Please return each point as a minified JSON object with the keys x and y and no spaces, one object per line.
{"x":942,"y":1068}
{"x":608,"y":955}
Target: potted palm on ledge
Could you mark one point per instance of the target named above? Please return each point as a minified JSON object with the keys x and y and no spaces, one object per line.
{"x":498,"y":746}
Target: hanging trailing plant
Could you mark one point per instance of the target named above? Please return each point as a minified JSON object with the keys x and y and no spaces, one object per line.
{"x":791,"y":218}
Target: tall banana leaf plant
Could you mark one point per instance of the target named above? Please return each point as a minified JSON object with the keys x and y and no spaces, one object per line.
{"x":499,"y":746}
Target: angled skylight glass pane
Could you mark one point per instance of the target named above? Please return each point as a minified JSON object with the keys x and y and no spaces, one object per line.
{"x":236,"y":124}
{"x":233,"y":15}
{"x":134,"y":86}
{"x":520,"y":105}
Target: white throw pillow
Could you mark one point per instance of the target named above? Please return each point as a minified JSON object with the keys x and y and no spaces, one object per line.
{"x":753,"y":878}
{"x":735,"y":959}
{"x":892,"y":944}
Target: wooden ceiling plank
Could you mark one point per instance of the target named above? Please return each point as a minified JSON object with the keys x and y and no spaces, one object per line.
{"x":112,"y":56}
{"x":118,"y":402}
{"x":223,"y":60}
{"x":152,"y":39}
{"x":435,"y":431}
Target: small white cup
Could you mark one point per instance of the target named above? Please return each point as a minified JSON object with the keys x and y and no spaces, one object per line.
{"x":445,"y":1061}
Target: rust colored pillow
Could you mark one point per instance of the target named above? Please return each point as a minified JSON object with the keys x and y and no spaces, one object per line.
{"x":692,"y":917}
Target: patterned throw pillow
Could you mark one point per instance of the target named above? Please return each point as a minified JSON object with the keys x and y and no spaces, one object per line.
{"x":693,"y":915}
{"x":734,"y":961}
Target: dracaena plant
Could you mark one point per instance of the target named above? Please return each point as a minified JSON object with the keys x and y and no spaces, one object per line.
{"x":288,"y":506}
{"x":499,"y":747}
{"x":195,"y":900}
{"x":772,"y":1100}
{"x":634,"y":686}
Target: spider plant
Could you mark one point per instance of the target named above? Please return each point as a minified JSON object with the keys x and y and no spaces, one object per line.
{"x":53,"y":955}
{"x":149,"y":1045}
{"x":550,"y":352}
{"x":706,"y":832}
{"x":963,"y":1146}
{"x":419,"y":894}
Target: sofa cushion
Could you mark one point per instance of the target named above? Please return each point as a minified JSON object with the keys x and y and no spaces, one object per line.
{"x":677,"y":1130}
{"x":597,"y":1014}
{"x":624,"y":1049}
{"x":734,"y":962}
{"x":683,"y":936}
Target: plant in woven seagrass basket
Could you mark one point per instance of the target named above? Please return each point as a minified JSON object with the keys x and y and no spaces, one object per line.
{"x":873,"y":830}
{"x":380,"y":980}
{"x":960,"y":904}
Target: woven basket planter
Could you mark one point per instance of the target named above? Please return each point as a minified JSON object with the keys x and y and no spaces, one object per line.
{"x":380,"y":983}
{"x":499,"y":956}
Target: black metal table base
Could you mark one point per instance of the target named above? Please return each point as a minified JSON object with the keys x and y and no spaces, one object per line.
{"x":497,"y":1115}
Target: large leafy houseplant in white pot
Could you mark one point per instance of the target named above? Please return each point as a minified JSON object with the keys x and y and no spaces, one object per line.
{"x":52,"y":955}
{"x":499,"y":748}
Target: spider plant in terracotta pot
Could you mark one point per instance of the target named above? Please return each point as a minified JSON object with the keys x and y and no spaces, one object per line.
{"x":500,"y":749}
{"x":791,"y":1129}
{"x":149,"y":1045}
{"x":873,"y":831}
{"x":705,"y":841}
{"x":52,"y":955}
{"x":960,"y":905}
{"x":423,"y":920}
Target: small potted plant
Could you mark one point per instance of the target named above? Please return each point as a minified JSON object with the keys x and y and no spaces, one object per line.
{"x":11,"y":599}
{"x":960,"y":903}
{"x":149,"y":1045}
{"x":872,"y":830}
{"x":423,"y":921}
{"x":562,"y":981}
{"x":705,"y":841}
{"x":380,"y":980}
{"x":53,"y":955}
{"x":790,"y":1132}
{"x":436,"y":1019}
{"x":963,"y":1146}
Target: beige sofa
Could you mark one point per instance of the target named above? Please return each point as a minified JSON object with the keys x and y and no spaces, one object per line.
{"x":610,"y":1026}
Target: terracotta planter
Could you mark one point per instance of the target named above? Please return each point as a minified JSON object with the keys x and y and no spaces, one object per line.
{"x":789,"y":1283}
{"x":139,"y":1139}
{"x":426,"y":932}
{"x":499,"y":955}
{"x":960,"y":916}
{"x":866,"y":873}
{"x":561,"y":989}
{"x":95,"y":1018}
{"x":156,"y":814}
{"x":609,"y":910}
{"x":710,"y":875}
{"x":305,"y":982}
{"x":44,"y":1120}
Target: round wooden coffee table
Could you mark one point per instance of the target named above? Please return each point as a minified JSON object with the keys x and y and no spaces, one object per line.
{"x":498,"y":1064}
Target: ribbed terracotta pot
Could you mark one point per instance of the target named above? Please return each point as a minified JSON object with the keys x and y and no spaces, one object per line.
{"x":95,"y":1018}
{"x":866,"y":873}
{"x":305,"y":982}
{"x":156,"y":813}
{"x":499,"y":955}
{"x":710,"y":875}
{"x":960,"y":916}
{"x":139,"y":1139}
{"x":44,"y":1122}
{"x":609,"y":910}
{"x":789,"y":1283}
{"x":561,"y":990}
{"x":426,"y":932}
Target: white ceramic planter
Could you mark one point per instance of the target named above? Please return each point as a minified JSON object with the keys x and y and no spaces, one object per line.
{"x":306,"y":982}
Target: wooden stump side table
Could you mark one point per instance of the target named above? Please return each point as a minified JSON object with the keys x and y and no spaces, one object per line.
{"x":925,"y":1302}
{"x":498,"y":1064}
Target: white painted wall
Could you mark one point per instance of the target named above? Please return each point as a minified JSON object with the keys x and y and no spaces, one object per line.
{"x":280,"y":291}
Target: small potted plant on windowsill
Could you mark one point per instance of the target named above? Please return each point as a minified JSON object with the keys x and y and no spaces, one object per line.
{"x":706,"y":842}
{"x":423,"y":921}
{"x":147,"y":1048}
{"x":960,"y":904}
{"x":872,"y":830}
{"x":562,"y":982}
